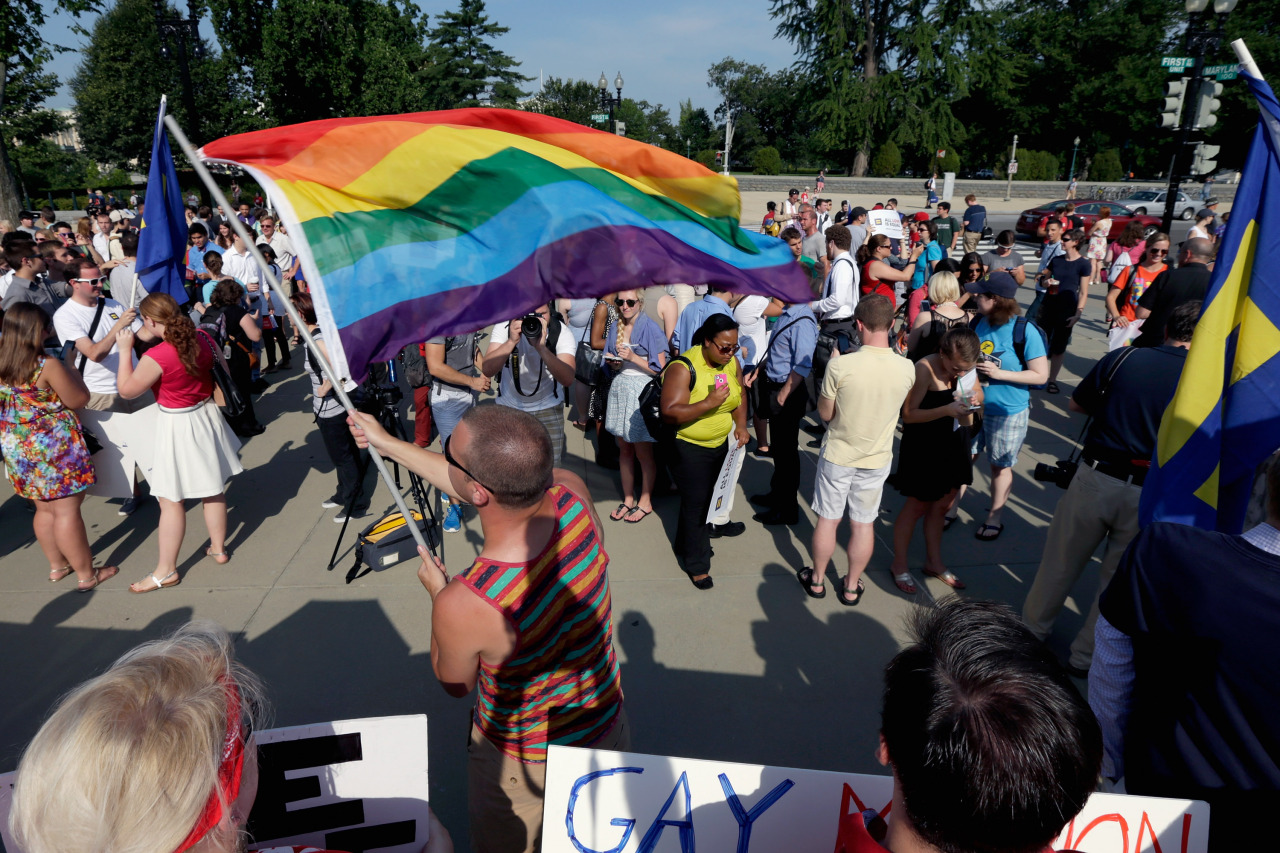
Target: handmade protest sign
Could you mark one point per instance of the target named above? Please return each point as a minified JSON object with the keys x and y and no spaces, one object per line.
{"x":886,"y":222}
{"x":619,"y":802}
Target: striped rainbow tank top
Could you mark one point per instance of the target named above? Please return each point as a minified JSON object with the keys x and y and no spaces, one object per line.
{"x":561,"y":685}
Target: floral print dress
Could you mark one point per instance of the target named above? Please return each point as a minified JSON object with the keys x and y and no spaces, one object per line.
{"x":45,"y":455}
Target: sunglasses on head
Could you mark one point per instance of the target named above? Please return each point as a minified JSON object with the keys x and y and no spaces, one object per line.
{"x":630,"y":303}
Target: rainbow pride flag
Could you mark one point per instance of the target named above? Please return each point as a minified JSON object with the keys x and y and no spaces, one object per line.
{"x":439,"y":223}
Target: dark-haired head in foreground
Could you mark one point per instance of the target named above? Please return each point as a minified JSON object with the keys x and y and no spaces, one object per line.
{"x":991,"y":745}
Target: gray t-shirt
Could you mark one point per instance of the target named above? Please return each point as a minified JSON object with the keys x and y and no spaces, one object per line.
{"x":815,"y":246}
{"x":859,"y":233}
{"x":994,"y":261}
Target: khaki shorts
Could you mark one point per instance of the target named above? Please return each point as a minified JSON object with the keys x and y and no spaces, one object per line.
{"x":504,"y":795}
{"x":116,"y":403}
{"x":860,"y":489}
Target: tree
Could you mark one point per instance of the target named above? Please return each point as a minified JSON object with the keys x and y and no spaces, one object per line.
{"x":571,"y":100}
{"x":1106,"y":166}
{"x":767,"y":161}
{"x":119,"y":82}
{"x":462,"y":61}
{"x":887,"y":162}
{"x":696,"y":132}
{"x":764,"y":106}
{"x":23,"y":54}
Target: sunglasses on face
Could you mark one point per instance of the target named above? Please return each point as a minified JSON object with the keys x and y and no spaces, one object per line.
{"x":93,"y":281}
{"x":630,"y":303}
{"x":1157,"y":251}
{"x":973,"y":269}
{"x":448,"y":457}
{"x":728,"y":349}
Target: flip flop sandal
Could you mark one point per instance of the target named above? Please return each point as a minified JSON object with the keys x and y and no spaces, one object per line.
{"x":946,"y":577}
{"x":840,"y":593}
{"x":1052,"y":388}
{"x":98,"y":577}
{"x":643,"y":514}
{"x":805,"y":576}
{"x":998,"y":528}
{"x":620,"y":512}
{"x":947,"y":521}
{"x":160,"y":583}
{"x":58,"y":574}
{"x":905,"y":583}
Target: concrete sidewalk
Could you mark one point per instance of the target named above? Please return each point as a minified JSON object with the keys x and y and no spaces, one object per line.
{"x":705,"y":673}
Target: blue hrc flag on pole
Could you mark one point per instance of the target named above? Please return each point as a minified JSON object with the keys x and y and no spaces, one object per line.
{"x":162,"y":239}
{"x":1225,"y":416}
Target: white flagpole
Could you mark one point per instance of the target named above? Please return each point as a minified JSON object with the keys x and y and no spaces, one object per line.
{"x":1246,"y":58}
{"x":265,"y":271}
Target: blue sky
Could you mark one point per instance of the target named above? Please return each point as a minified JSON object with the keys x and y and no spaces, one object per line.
{"x":662,"y":47}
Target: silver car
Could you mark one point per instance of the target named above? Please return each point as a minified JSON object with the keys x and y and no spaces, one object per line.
{"x":1152,"y":202}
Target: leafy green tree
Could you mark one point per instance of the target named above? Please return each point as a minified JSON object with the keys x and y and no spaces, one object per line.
{"x":951,"y":162}
{"x":707,"y":157}
{"x":646,"y":122}
{"x":119,"y":82}
{"x":1106,"y":166}
{"x":572,"y":100}
{"x":695,"y":131}
{"x":462,"y":60}
{"x":767,"y":161}
{"x":887,"y":162}
{"x":24,"y":85}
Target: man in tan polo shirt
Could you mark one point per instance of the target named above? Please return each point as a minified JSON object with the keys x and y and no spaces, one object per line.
{"x":862,"y":394}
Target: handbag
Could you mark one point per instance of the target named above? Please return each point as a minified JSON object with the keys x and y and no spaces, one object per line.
{"x":225,"y":391}
{"x":588,"y":364}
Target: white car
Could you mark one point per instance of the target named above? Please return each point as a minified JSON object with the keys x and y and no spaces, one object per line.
{"x":1152,"y":202}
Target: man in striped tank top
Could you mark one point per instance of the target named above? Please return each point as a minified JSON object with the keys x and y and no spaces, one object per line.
{"x":528,"y":625}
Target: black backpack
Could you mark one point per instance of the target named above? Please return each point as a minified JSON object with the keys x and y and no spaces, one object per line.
{"x":651,"y":399}
{"x":414,"y":362}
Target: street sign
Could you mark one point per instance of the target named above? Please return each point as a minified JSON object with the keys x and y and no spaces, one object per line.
{"x":1222,"y":72}
{"x":621,"y":129}
{"x":942,"y":152}
{"x":599,"y":116}
{"x":1176,"y":63}
{"x":1013,"y":167}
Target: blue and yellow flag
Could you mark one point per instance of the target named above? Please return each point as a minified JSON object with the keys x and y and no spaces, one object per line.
{"x":162,"y":239}
{"x":1225,"y":416}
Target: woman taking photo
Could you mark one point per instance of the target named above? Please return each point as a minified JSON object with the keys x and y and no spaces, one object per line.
{"x":1127,"y":289}
{"x":195,"y":452}
{"x":877,"y":275}
{"x":707,"y":416}
{"x":45,"y":456}
{"x":635,"y":350}
{"x":242,"y":332}
{"x":933,"y":459}
{"x":931,"y":254}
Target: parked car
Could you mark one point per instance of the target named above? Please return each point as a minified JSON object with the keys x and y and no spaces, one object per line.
{"x":985,"y":174}
{"x":1150,"y":201}
{"x":1087,"y":209}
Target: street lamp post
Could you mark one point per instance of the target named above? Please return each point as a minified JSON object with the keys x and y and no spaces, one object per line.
{"x":183,"y":31}
{"x":1200,"y":41}
{"x":606,"y":101}
{"x":1013,"y":160}
{"x":1073,"y":158}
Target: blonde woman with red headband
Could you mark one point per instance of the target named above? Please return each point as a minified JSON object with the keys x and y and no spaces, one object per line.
{"x":156,"y":755}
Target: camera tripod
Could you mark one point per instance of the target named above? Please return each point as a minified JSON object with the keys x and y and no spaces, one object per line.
{"x":387,"y":412}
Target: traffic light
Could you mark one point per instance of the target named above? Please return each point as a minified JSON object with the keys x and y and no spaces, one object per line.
{"x":719,"y":158}
{"x":1208,"y":103}
{"x":1174,"y":93}
{"x":1202,"y":163}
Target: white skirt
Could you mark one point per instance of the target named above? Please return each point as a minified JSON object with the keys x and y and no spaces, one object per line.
{"x":195,"y":453}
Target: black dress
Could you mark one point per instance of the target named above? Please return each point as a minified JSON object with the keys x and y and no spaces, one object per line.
{"x":933,"y":458}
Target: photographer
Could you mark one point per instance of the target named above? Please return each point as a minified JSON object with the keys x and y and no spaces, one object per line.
{"x":1126,"y":394}
{"x":534,"y":355}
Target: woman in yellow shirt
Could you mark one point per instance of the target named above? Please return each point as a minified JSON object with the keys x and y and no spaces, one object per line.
{"x":705,"y":418}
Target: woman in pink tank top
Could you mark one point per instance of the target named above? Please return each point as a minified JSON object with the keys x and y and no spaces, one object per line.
{"x":195,"y":450}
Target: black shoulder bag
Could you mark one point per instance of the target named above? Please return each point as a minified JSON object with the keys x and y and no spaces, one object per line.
{"x":93,"y":327}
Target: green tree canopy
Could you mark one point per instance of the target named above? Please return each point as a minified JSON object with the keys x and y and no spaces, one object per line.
{"x":462,"y":61}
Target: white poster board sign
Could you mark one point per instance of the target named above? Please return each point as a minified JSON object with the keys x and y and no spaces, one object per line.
{"x":886,"y":222}
{"x":1123,"y":336}
{"x":126,"y":438}
{"x":348,"y":785}
{"x":722,"y":497}
{"x":624,"y":802}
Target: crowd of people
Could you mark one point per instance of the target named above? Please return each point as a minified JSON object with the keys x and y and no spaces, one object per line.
{"x":896,"y":335}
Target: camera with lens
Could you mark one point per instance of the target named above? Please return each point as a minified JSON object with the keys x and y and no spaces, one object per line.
{"x":531,"y":326}
{"x":1060,"y":475}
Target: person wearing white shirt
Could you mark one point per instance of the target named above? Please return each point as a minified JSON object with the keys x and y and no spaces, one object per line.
{"x":840,"y":292}
{"x":90,"y":321}
{"x":824,"y":214}
{"x":533,"y":370}
{"x":286,"y":255}
{"x":102,"y":237}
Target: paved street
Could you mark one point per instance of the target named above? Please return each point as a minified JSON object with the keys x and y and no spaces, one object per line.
{"x":751,"y":671}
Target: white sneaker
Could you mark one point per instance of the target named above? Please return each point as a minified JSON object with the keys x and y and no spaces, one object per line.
{"x":330,"y":504}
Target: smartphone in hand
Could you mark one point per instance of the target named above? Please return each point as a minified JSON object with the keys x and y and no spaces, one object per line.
{"x":722,"y":381}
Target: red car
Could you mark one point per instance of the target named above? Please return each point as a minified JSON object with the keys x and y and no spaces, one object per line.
{"x":1086,"y":209}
